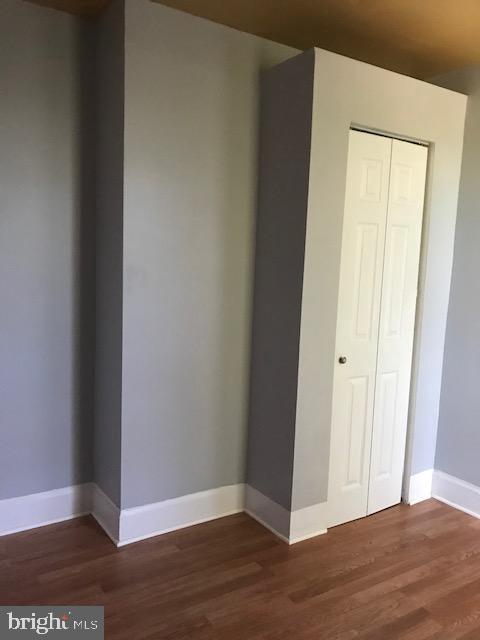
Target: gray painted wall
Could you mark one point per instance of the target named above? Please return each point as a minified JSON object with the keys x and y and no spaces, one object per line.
{"x":192,"y":90}
{"x":458,"y":441}
{"x":183,"y":287}
{"x":109,"y":247}
{"x":285,"y":135}
{"x":46,"y":267}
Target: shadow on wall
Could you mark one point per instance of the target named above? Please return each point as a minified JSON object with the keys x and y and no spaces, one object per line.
{"x":83,"y":329}
{"x":237,"y":224}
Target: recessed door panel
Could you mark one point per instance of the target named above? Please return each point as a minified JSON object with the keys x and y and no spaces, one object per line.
{"x":364,"y":283}
{"x":386,"y":395}
{"x":363,"y":241}
{"x":395,"y":274}
{"x":355,"y":418}
{"x":371,"y":180}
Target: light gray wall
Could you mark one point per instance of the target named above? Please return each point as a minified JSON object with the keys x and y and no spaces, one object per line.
{"x":284,"y":165}
{"x":110,"y":31}
{"x":46,"y":267}
{"x":458,"y":442}
{"x":192,"y":90}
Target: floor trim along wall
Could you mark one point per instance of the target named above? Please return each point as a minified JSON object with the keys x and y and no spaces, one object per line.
{"x":289,"y":526}
{"x":106,"y":513}
{"x":130,"y":525}
{"x":453,"y":491}
{"x":268,"y":513}
{"x":420,"y":487}
{"x":143,"y":522}
{"x":122,"y":526}
{"x":47,"y":507}
{"x":308,"y":522}
{"x":456,"y":493}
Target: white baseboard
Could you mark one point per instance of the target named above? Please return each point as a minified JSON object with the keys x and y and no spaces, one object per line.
{"x":154,"y":519}
{"x":131,"y":525}
{"x":308,"y":522}
{"x":268,"y":513}
{"x":456,"y":493}
{"x":122,"y":526}
{"x":47,"y":507}
{"x":291,"y":527}
{"x":420,"y":487}
{"x":106,"y":513}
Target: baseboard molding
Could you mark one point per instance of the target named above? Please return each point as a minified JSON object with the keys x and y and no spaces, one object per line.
{"x":420,"y":487}
{"x":268,"y":513}
{"x":154,"y":519}
{"x":122,"y":526}
{"x":456,"y":493}
{"x":308,"y":522}
{"x":289,"y":526}
{"x":131,"y":525}
{"x":106,"y":513}
{"x":41,"y":509}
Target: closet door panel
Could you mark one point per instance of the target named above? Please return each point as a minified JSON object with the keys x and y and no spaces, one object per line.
{"x":397,"y":323}
{"x":363,"y":241}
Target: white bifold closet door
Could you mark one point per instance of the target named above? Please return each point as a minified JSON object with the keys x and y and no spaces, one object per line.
{"x":375,"y":324}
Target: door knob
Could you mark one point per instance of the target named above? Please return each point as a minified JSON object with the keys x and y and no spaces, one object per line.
{"x":342,"y":360}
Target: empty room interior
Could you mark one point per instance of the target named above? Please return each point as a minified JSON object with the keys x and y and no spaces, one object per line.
{"x":239,"y":337}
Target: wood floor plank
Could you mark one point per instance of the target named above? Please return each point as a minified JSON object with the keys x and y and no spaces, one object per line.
{"x":406,"y":573}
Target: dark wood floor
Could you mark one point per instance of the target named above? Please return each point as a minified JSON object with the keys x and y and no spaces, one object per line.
{"x":408,"y":572}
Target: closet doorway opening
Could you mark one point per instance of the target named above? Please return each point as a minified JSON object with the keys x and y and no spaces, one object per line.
{"x":381,"y":239}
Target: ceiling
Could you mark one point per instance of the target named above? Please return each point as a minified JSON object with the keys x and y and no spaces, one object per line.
{"x":78,"y":7}
{"x":416,"y":37}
